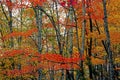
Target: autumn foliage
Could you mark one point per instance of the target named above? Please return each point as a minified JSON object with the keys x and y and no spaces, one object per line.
{"x":45,"y":61}
{"x":59,"y":40}
{"x":22,"y":34}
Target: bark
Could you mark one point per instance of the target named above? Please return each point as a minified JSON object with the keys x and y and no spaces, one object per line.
{"x":83,"y":39}
{"x":71,"y":32}
{"x":90,"y":42}
{"x":69,"y":74}
{"x":38,"y":15}
{"x":56,"y":30}
{"x":90,"y":52}
{"x":39,"y":31}
{"x":21,"y":24}
{"x":78,"y":44}
{"x":10,"y":26}
{"x":111,"y":70}
{"x":83,"y":28}
{"x":105,"y":47}
{"x":76,"y":28}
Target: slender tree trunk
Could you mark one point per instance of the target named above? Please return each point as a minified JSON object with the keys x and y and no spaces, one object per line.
{"x":83,"y":39}
{"x":21,"y":24}
{"x":90,"y":52}
{"x":90,"y":42}
{"x":38,"y":16}
{"x":105,"y":47}
{"x":10,"y":25}
{"x":20,"y":39}
{"x":78,"y":44}
{"x":39,"y":31}
{"x":83,"y":28}
{"x":111,"y":70}
{"x":71,"y":33}
{"x":69,"y":74}
{"x":80,"y":74}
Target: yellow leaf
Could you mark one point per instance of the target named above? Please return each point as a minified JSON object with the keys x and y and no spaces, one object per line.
{"x":97,"y":61}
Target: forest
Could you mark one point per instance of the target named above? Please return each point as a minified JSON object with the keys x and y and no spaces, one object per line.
{"x":59,"y":39}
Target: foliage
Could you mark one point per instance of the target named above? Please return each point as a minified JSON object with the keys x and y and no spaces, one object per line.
{"x":47,"y":35}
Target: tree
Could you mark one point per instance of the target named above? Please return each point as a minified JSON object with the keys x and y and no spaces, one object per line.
{"x":59,"y":39}
{"x":108,"y":42}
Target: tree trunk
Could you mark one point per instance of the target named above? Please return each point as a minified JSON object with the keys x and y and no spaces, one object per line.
{"x":10,"y":25}
{"x":83,"y":40}
{"x":90,"y":51}
{"x":111,"y":70}
{"x":38,"y":16}
{"x":69,"y":73}
{"x":90,"y":42}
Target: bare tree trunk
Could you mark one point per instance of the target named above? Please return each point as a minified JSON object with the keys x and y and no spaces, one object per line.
{"x":90,"y":42}
{"x":83,"y":39}
{"x":38,"y":15}
{"x":39,"y":31}
{"x":90,"y":52}
{"x":105,"y":47}
{"x":11,"y":30}
{"x":80,"y":74}
{"x":69,"y":73}
{"x":111,"y":70}
{"x":10,"y":25}
{"x":21,"y":24}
